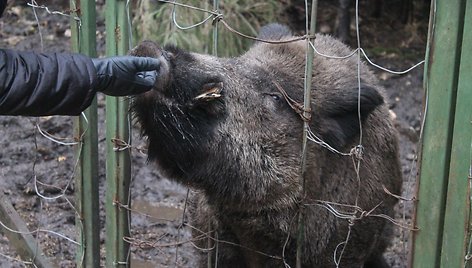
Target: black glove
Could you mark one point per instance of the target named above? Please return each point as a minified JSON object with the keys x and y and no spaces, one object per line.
{"x":125,"y":75}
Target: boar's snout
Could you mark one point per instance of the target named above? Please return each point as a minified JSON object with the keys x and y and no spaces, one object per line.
{"x":152,"y":49}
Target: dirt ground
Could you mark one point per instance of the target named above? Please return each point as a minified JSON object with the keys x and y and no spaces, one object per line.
{"x":26,"y":154}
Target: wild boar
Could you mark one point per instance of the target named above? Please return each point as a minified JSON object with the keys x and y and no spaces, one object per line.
{"x":230,"y":128}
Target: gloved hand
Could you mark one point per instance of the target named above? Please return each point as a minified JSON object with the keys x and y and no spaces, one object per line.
{"x":125,"y":75}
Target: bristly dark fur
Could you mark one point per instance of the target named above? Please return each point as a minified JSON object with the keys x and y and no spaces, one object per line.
{"x":223,"y":127}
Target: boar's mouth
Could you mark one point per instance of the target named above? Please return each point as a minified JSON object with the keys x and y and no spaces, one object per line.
{"x":182,"y":82}
{"x":187,"y":79}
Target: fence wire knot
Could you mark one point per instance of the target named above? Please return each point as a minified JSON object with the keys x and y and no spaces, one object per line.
{"x":120,"y":145}
{"x":217,"y":18}
{"x":298,"y":107}
{"x":358,"y":152}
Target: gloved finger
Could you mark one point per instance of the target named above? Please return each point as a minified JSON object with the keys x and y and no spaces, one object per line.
{"x":146,"y":78}
{"x":146,"y":63}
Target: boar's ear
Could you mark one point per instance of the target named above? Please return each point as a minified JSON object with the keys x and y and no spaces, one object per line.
{"x":340,"y":117}
{"x":274,"y":31}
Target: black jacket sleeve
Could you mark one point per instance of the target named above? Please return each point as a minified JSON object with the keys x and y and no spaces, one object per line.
{"x":38,"y":84}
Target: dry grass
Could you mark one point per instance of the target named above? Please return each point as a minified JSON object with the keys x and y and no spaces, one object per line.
{"x":154,"y":22}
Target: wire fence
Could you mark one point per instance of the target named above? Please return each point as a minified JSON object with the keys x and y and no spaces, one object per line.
{"x":159,"y":228}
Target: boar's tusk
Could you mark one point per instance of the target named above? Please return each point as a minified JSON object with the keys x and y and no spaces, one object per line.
{"x":209,"y":95}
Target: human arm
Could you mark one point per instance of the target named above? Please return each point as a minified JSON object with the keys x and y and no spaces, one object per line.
{"x":37,"y":84}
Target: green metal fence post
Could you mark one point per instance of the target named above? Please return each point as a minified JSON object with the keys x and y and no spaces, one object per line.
{"x":118,"y":165}
{"x":441,"y":84}
{"x":84,"y":41}
{"x":458,"y":193}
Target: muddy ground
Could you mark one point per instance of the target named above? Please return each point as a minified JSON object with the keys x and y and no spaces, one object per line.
{"x":25,"y":154}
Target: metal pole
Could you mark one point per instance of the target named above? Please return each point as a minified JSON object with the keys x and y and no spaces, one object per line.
{"x":441,"y":78}
{"x":85,"y":131}
{"x":215,"y":30}
{"x":118,"y":164}
{"x":456,"y":219}
{"x":306,"y":114}
{"x":210,"y":261}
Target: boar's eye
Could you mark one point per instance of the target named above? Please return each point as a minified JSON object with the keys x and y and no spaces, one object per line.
{"x":274,"y":96}
{"x":273,"y":101}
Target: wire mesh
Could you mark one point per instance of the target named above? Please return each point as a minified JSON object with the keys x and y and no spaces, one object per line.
{"x":157,"y":226}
